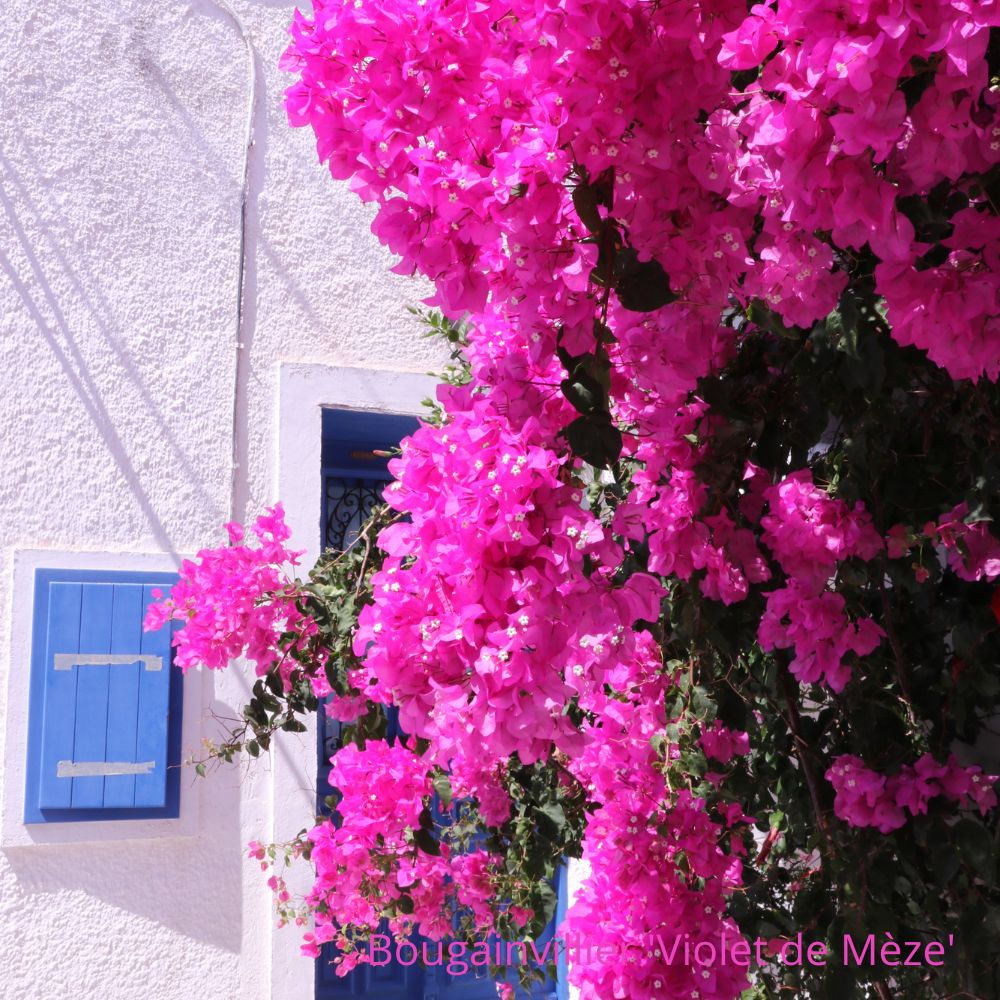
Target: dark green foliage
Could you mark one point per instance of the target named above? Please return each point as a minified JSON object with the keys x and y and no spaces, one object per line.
{"x":880,"y":424}
{"x":876,"y":423}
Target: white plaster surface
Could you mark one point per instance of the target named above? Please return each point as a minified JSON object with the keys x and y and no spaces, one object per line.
{"x":121,"y":160}
{"x":305,"y":390}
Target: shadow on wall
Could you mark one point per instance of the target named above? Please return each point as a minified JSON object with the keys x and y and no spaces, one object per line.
{"x":191,"y":885}
{"x":43,"y":258}
{"x":187,"y":128}
{"x":186,"y":125}
{"x":66,"y":267}
{"x":44,"y":309}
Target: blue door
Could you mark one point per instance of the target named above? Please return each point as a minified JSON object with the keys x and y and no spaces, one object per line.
{"x":395,"y":981}
{"x":354,"y":476}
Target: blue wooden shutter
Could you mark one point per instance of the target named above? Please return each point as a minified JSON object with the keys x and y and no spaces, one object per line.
{"x":104,"y":725}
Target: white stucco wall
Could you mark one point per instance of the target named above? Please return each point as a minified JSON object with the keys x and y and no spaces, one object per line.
{"x":121,"y":158}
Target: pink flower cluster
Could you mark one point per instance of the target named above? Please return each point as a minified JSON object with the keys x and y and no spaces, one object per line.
{"x":809,"y":533}
{"x":467,"y":632}
{"x":647,"y":849}
{"x":973,"y":550}
{"x":371,"y":859}
{"x":970,"y":549}
{"x":827,"y":142}
{"x":235,"y":600}
{"x":819,"y":631}
{"x":723,"y":744}
{"x":469,"y":125}
{"x":482,"y":111}
{"x":864,"y":797}
{"x":685,"y":540}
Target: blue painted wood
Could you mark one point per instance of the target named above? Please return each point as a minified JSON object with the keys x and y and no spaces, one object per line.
{"x":477,"y":984}
{"x":154,"y":708}
{"x":433,"y":982}
{"x":58,"y":631}
{"x":123,"y":693}
{"x":350,"y":437}
{"x":353,"y":473}
{"x":349,"y":440}
{"x":562,"y":972}
{"x":67,"y":722}
{"x":347,"y":503}
{"x":393,"y":981}
{"x":396,"y":980}
{"x":92,"y":685}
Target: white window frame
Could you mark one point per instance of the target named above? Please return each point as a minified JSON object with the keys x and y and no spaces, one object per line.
{"x":14,"y":832}
{"x":305,"y":390}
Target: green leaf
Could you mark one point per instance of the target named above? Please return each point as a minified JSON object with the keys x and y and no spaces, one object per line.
{"x":976,"y":845}
{"x":595,"y":439}
{"x":642,"y":286}
{"x":585,"y":202}
{"x":548,"y":900}
{"x":603,"y":187}
{"x":552,"y":819}
{"x":603,"y":334}
{"x":254,"y":713}
{"x":426,"y":841}
{"x":443,"y":788}
{"x":601,"y":273}
{"x":585,"y":393}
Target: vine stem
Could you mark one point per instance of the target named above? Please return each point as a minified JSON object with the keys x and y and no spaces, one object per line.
{"x":902,"y":674}
{"x":899,"y":657}
{"x":802,"y":751}
{"x":882,"y":989}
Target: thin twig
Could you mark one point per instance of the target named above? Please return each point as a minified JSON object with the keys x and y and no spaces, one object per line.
{"x":882,"y":989}
{"x":802,"y":751}
{"x":902,"y":671}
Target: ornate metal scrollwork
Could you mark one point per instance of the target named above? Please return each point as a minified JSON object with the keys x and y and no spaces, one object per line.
{"x":346,"y":504}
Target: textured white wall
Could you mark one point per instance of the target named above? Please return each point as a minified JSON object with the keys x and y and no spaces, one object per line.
{"x":121,"y":157}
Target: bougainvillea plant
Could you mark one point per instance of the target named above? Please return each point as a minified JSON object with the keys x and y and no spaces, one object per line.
{"x":692,"y":574}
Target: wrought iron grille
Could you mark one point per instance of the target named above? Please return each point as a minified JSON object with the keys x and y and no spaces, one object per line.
{"x":347,"y":502}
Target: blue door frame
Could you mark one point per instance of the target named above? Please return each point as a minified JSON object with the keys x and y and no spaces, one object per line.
{"x":353,"y":477}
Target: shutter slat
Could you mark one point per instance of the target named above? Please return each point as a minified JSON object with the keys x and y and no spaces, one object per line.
{"x":92,"y":688}
{"x":123,"y":695}
{"x":154,"y":706}
{"x":104,"y":718}
{"x":62,"y":636}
